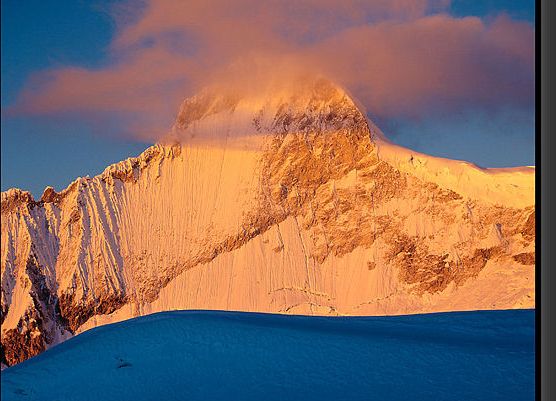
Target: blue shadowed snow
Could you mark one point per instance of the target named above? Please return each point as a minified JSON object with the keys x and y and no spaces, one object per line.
{"x":210,"y":355}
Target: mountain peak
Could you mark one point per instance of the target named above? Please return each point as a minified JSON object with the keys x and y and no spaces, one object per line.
{"x":309,"y":105}
{"x":319,"y":217}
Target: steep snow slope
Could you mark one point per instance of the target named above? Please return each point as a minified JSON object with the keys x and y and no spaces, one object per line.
{"x":197,"y":355}
{"x":291,"y":202}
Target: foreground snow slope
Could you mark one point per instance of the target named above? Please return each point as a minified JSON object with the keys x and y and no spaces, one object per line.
{"x":285,"y":202}
{"x":197,"y":355}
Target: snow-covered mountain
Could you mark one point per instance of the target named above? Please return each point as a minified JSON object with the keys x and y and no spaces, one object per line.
{"x":289,"y":202}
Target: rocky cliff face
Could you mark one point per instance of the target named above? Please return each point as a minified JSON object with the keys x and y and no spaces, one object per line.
{"x":290,"y":203}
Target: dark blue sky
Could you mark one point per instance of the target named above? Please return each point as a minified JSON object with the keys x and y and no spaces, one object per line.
{"x":37,"y":152}
{"x":53,"y":150}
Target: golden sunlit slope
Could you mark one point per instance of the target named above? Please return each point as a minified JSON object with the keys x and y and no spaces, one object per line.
{"x":290,"y":202}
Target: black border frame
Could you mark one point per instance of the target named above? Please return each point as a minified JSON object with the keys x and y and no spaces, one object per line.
{"x":544,"y":322}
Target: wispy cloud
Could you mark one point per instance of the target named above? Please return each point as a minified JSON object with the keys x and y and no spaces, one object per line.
{"x":400,"y":58}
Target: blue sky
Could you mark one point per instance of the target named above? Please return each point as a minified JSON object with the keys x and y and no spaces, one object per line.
{"x":40,"y":150}
{"x":37,"y":152}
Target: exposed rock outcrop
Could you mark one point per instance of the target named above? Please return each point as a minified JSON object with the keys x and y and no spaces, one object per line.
{"x":290,"y":203}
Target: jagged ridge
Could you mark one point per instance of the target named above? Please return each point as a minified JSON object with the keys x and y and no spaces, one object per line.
{"x":312,"y":217}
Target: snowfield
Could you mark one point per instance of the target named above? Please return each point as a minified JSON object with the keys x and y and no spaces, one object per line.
{"x":211,"y":355}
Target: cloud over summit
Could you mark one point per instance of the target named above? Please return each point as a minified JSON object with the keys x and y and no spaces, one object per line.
{"x":401,"y":58}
